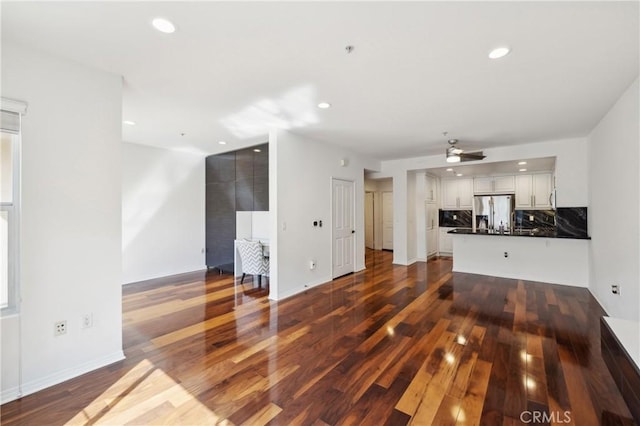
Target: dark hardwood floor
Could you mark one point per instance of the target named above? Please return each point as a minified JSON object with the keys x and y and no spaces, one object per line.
{"x":389,"y":345}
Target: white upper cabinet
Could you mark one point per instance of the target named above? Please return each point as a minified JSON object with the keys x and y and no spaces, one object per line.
{"x":465,"y":194}
{"x":483,"y":185}
{"x":541,"y":188}
{"x":449,"y":194}
{"x":457,"y":194}
{"x":494,"y":185}
{"x":534,"y":191}
{"x":504,"y":184}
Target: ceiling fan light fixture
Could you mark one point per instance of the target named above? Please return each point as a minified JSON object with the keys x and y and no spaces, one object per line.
{"x":453,"y":154}
{"x":453,"y":158}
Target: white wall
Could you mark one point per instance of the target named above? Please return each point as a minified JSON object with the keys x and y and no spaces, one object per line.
{"x":163,"y":212}
{"x":571,"y":180}
{"x":420,"y":231}
{"x":412,"y":245}
{"x":550,"y":260}
{"x":401,"y":218}
{"x":300,"y":172}
{"x":614,"y":213}
{"x":70,"y":254}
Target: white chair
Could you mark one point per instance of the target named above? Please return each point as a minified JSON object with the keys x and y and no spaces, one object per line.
{"x":253,"y":259}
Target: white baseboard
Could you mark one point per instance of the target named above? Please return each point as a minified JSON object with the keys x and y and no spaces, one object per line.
{"x":33,"y":386}
{"x":295,"y":291}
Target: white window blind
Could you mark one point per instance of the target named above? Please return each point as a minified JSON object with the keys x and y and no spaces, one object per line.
{"x":10,"y":122}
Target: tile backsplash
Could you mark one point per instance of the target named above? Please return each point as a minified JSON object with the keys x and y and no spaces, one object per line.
{"x":462,"y":218}
{"x":572,"y":222}
{"x":541,"y":219}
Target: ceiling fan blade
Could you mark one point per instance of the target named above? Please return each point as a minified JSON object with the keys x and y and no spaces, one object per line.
{"x":472,"y":156}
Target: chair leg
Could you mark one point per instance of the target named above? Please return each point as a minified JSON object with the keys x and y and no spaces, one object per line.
{"x":242,"y":279}
{"x":259,"y":281}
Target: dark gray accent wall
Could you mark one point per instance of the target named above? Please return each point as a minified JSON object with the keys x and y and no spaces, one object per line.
{"x":235,"y":181}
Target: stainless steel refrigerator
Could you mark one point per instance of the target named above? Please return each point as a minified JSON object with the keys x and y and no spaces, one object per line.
{"x":493,"y":211}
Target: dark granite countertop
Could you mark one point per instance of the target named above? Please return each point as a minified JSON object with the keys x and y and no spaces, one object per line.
{"x":544,"y":233}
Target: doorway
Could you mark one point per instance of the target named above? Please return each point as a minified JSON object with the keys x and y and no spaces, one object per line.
{"x":343,"y":227}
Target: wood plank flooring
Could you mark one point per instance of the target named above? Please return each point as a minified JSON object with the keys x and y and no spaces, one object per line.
{"x":390,"y":345}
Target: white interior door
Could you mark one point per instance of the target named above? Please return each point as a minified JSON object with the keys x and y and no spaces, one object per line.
{"x":387,"y":220}
{"x":368,"y":220}
{"x":343,"y":227}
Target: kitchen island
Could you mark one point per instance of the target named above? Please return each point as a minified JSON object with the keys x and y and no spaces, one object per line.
{"x":532,"y":255}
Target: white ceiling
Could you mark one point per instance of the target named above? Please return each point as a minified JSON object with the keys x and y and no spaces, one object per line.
{"x":234,"y":69}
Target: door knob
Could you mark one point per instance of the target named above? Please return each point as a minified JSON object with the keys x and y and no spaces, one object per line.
{"x":353,"y":231}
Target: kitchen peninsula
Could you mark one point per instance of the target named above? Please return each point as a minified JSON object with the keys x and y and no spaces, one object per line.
{"x":543,"y":255}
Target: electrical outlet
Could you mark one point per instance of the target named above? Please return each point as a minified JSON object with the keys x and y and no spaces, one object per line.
{"x":615,"y":289}
{"x":87,"y":321}
{"x":59,"y":328}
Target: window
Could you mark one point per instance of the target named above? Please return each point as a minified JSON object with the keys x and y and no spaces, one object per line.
{"x":9,"y":209}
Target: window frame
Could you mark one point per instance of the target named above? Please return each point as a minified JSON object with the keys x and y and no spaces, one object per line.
{"x":13,"y":212}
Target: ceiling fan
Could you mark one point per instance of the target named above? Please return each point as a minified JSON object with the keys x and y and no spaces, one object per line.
{"x":456,"y":155}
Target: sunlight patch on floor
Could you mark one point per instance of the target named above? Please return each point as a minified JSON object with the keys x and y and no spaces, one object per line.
{"x":146,"y":395}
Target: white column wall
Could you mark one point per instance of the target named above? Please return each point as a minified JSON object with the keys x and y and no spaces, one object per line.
{"x":400,"y":218}
{"x":301,"y":194}
{"x":70,"y":233}
{"x":421,"y":216}
{"x":614,"y":213}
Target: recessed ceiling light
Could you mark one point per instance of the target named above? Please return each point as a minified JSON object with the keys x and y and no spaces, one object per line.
{"x":499,"y":52}
{"x":522,"y":163}
{"x":163,"y":25}
{"x":324,"y":105}
{"x":222,"y":142}
{"x":129,"y":122}
{"x":257,"y":150}
{"x":459,"y":174}
{"x":449,"y":170}
{"x":523,"y":170}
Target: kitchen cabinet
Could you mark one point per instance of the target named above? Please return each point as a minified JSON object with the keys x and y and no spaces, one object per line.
{"x":534,"y":191}
{"x":235,"y":181}
{"x":431,"y":189}
{"x":494,"y":185}
{"x":432,"y":228}
{"x":446,"y":241}
{"x":457,"y":194}
{"x":504,"y":184}
{"x":432,"y":242}
{"x":483,"y":185}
